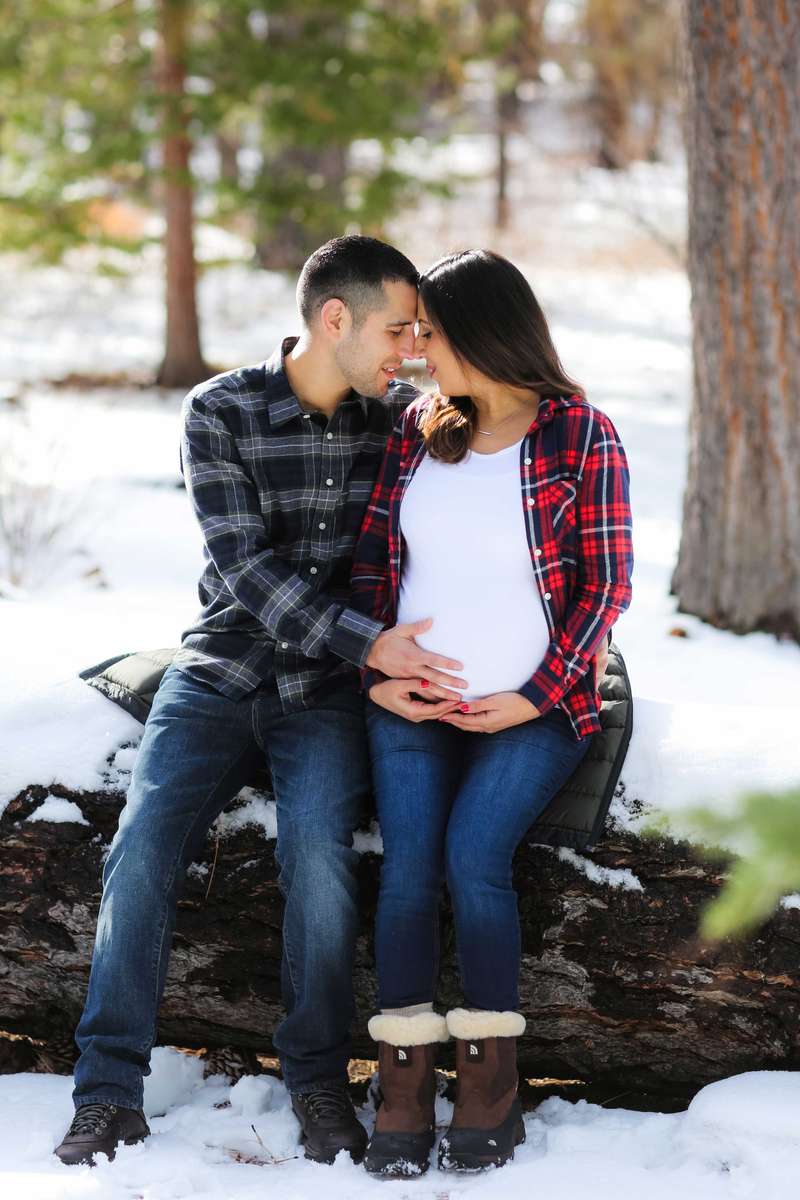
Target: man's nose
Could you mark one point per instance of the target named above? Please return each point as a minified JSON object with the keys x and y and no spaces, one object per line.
{"x":408,"y":342}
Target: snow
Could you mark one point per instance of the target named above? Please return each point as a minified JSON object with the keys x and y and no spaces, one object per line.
{"x":58,"y":811}
{"x":606,"y":876}
{"x":42,"y":747}
{"x":739,"y":1138}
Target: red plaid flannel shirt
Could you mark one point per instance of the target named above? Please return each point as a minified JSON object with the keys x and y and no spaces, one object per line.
{"x":574,"y":493}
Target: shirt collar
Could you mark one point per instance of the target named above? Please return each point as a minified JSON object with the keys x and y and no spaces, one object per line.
{"x":282,"y":403}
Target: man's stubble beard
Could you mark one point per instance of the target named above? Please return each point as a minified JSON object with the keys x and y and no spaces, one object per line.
{"x":351,"y":361}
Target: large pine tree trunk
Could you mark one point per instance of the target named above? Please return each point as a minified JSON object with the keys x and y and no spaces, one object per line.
{"x":739,"y":562}
{"x":183,"y":364}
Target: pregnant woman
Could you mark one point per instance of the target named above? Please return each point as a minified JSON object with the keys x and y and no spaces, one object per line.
{"x":500,"y":513}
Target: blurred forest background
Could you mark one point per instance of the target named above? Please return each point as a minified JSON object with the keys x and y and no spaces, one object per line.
{"x":290,"y":122}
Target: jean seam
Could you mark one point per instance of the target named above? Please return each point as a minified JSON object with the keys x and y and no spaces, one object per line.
{"x":156,"y":966}
{"x":285,"y":942}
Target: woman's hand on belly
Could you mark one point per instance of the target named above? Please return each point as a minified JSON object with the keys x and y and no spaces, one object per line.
{"x":396,"y":696}
{"x":492,"y":713}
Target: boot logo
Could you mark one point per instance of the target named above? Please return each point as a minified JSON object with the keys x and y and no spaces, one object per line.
{"x":475,"y":1051}
{"x":402,"y":1056}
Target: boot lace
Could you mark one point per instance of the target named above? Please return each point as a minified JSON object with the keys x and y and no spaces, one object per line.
{"x":328,"y":1103}
{"x":92,"y":1118}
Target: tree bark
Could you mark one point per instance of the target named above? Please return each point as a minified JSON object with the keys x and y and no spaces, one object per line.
{"x":739,"y":560}
{"x":182,"y":365}
{"x":506,"y":112}
{"x":608,"y":25}
{"x":513,"y":34}
{"x":616,"y":988}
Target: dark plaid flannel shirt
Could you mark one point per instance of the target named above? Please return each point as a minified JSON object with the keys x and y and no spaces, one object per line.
{"x":574,"y":493}
{"x":280,"y":496}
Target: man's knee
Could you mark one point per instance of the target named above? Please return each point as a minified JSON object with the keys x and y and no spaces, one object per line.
{"x":316,"y":861}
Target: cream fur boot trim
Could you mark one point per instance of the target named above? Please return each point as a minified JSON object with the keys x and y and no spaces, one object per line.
{"x":466,"y":1024}
{"x":420,"y":1030}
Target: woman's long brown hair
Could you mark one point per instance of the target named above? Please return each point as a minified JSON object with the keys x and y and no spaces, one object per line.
{"x":487,"y":311}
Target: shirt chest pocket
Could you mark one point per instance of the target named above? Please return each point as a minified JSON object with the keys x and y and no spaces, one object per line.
{"x":560,"y":504}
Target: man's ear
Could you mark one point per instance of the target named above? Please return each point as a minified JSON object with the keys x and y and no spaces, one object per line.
{"x":335,"y":319}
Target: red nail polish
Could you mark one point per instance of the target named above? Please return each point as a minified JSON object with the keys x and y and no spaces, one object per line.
{"x":463,"y":708}
{"x":424,"y":683}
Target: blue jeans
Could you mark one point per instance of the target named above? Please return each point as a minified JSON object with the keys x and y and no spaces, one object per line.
{"x":197,"y":751}
{"x":455,"y":806}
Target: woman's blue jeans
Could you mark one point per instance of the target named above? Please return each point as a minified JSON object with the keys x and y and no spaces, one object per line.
{"x":198,"y":750}
{"x":455,"y":806}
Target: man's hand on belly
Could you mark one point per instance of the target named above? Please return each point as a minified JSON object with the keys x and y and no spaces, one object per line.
{"x":395,"y":653}
{"x":492,"y":713}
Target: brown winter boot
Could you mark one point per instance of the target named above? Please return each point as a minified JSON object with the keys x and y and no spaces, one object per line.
{"x":404,"y":1125}
{"x":487,"y":1119}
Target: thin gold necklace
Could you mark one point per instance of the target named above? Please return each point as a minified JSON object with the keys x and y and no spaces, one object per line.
{"x":492,"y":432}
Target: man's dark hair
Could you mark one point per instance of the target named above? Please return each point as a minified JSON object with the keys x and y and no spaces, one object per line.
{"x":352,"y":269}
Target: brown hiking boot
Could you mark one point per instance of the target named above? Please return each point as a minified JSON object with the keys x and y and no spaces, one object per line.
{"x":487,"y":1119}
{"x":404,"y":1125}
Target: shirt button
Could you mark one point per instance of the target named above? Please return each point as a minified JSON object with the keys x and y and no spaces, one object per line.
{"x":547,"y":596}
{"x":313,"y":571}
{"x":329,"y":436}
{"x":537,"y":552}
{"x":527,"y":462}
{"x":322,"y":524}
{"x":329,"y":482}
{"x":284,"y":645}
{"x":531,"y":503}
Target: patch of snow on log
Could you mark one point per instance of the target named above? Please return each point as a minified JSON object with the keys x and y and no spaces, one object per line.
{"x":65,"y":734}
{"x":607,"y":876}
{"x":58,"y":811}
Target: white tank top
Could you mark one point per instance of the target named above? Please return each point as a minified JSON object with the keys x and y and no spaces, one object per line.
{"x":467,"y":564}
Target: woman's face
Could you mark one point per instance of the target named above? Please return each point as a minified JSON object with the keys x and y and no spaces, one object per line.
{"x":442,"y":363}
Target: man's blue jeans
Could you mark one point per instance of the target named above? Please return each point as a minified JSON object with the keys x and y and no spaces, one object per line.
{"x":197,"y":751}
{"x":455,"y":806}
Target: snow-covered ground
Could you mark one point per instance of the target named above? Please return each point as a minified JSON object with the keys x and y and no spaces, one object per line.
{"x":739,"y":1139}
{"x":715,"y":714}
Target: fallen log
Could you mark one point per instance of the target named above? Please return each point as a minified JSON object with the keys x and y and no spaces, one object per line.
{"x":616,"y":987}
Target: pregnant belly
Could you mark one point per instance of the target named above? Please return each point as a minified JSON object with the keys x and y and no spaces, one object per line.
{"x":498,"y":655}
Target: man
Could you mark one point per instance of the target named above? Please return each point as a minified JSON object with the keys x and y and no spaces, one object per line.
{"x":279,"y":461}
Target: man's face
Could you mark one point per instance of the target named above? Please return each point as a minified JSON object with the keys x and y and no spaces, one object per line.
{"x":369,"y":356}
